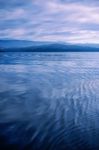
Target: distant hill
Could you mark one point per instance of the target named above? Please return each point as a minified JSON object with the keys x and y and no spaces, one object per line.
{"x":20,"y":43}
{"x":36,"y":46}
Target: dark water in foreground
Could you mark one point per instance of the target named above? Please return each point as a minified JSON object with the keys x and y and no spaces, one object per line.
{"x":49,"y":101}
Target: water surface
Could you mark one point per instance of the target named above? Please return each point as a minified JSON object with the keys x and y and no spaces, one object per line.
{"x":49,"y":101}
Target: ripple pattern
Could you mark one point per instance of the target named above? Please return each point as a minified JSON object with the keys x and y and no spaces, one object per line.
{"x":49,"y":101}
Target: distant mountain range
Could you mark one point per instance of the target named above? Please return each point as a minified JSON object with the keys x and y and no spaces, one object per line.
{"x":36,"y":46}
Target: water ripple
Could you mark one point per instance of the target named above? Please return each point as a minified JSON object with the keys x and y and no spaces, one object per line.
{"x":49,"y":101}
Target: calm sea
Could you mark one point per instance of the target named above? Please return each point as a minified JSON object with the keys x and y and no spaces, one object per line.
{"x":49,"y":101}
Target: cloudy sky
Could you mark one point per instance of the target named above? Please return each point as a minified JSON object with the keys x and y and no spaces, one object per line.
{"x":75,"y":21}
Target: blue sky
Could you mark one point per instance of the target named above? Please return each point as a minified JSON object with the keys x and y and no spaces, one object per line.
{"x":50,"y":20}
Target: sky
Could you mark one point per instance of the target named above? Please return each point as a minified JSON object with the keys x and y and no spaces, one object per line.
{"x":73,"y":21}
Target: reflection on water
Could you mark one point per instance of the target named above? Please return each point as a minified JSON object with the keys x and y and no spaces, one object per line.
{"x":49,"y":101}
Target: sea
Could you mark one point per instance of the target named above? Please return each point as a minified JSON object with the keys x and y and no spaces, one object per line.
{"x":49,"y":101}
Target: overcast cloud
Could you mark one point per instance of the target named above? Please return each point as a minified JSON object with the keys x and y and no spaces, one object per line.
{"x":50,"y":20}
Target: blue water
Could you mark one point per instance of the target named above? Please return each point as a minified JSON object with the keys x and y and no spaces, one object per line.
{"x":49,"y":101}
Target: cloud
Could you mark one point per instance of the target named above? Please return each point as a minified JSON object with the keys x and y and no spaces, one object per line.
{"x":51,"y":20}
